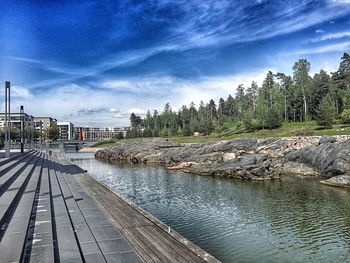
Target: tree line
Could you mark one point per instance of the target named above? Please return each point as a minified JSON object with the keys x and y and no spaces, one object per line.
{"x":281,"y":98}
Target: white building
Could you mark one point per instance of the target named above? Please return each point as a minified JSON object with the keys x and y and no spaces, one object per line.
{"x":66,"y":130}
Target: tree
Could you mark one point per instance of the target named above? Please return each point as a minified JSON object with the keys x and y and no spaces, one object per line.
{"x":240,"y":100}
{"x":212,"y":110}
{"x":325,"y":112}
{"x":345,"y":116}
{"x":269,"y":105}
{"x":341,"y":84}
{"x":53,"y":133}
{"x":221,"y":111}
{"x":321,"y":87}
{"x":230,"y":108}
{"x":302,"y":86}
{"x":286,"y":83}
{"x":136,"y":124}
{"x":252,"y":95}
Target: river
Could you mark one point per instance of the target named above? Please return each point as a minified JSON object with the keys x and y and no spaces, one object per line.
{"x":292,"y":220}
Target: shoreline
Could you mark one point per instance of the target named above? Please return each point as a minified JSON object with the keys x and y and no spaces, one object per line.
{"x":243,"y":158}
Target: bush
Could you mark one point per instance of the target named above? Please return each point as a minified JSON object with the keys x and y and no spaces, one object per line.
{"x":345,"y":116}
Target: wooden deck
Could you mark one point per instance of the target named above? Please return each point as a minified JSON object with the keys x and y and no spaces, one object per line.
{"x":52,"y":211}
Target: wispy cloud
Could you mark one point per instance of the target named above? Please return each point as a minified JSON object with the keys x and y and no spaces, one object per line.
{"x":18,"y":91}
{"x":340,"y":47}
{"x":332,"y":36}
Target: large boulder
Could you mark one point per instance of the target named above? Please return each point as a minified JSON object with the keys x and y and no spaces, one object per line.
{"x":329,"y":158}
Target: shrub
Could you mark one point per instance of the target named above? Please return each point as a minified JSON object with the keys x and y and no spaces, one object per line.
{"x":345,"y":116}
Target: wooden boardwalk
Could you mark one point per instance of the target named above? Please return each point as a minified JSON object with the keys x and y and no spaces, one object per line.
{"x":52,"y":211}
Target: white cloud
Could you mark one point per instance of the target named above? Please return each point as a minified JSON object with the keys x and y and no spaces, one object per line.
{"x":137,"y":111}
{"x":319,"y":31}
{"x":342,"y":1}
{"x":341,"y":47}
{"x":332,"y":36}
{"x":113,"y":110}
{"x":19,"y":91}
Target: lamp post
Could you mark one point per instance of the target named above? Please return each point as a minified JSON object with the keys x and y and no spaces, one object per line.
{"x":22,"y":127}
{"x":7,"y":118}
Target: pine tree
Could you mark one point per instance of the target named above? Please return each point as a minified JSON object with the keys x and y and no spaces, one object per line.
{"x":325,"y":112}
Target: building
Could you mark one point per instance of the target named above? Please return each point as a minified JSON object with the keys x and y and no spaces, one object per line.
{"x":43,"y":124}
{"x":66,"y":131}
{"x":97,"y":134}
{"x":17,"y":119}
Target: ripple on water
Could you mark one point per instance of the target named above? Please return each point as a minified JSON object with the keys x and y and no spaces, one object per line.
{"x":286,"y":221}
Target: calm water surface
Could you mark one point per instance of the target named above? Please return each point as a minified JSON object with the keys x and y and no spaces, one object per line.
{"x":294,"y":220}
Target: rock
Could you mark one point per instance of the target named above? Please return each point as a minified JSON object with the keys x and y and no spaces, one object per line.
{"x":327,"y":139}
{"x":242,"y":144}
{"x":340,"y":180}
{"x":300,"y":169}
{"x":330,"y":159}
{"x":242,"y":158}
{"x":228,"y":156}
{"x":181,"y":166}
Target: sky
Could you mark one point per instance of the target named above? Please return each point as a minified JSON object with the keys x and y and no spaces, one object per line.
{"x":95,"y":62}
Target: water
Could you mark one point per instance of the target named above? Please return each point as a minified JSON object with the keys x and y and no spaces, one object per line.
{"x":294,"y":220}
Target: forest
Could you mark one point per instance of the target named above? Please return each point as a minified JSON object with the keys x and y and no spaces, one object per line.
{"x":281,"y":98}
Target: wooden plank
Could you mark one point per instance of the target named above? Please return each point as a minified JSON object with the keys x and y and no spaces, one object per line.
{"x":158,"y":233}
{"x":169,"y":252}
{"x":142,"y":248}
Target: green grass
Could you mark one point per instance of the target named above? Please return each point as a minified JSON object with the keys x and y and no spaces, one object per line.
{"x":106,"y":143}
{"x":287,"y":130}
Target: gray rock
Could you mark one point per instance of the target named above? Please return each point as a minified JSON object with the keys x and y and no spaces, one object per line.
{"x":340,"y":180}
{"x":294,"y":168}
{"x":327,"y":139}
{"x":242,"y":158}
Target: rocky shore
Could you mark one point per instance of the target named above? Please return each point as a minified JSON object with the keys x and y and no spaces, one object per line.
{"x":245,"y":158}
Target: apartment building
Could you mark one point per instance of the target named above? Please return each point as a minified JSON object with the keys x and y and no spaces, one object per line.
{"x":97,"y":134}
{"x":66,"y":130}
{"x":43,"y":124}
{"x":17,"y":119}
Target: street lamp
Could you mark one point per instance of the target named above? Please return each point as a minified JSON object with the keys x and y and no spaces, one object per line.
{"x":22,"y":126}
{"x":7,"y":118}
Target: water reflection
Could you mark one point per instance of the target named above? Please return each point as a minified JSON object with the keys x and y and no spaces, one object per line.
{"x":294,"y":220}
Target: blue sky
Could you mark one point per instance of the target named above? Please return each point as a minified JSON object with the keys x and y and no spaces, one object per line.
{"x":95,"y":62}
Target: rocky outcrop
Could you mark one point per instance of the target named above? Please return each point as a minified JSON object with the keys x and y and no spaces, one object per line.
{"x":245,"y":158}
{"x":329,"y":158}
{"x":340,"y":180}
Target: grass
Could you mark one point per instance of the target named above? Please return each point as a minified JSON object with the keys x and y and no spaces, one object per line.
{"x":105,"y":143}
{"x":287,"y":130}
